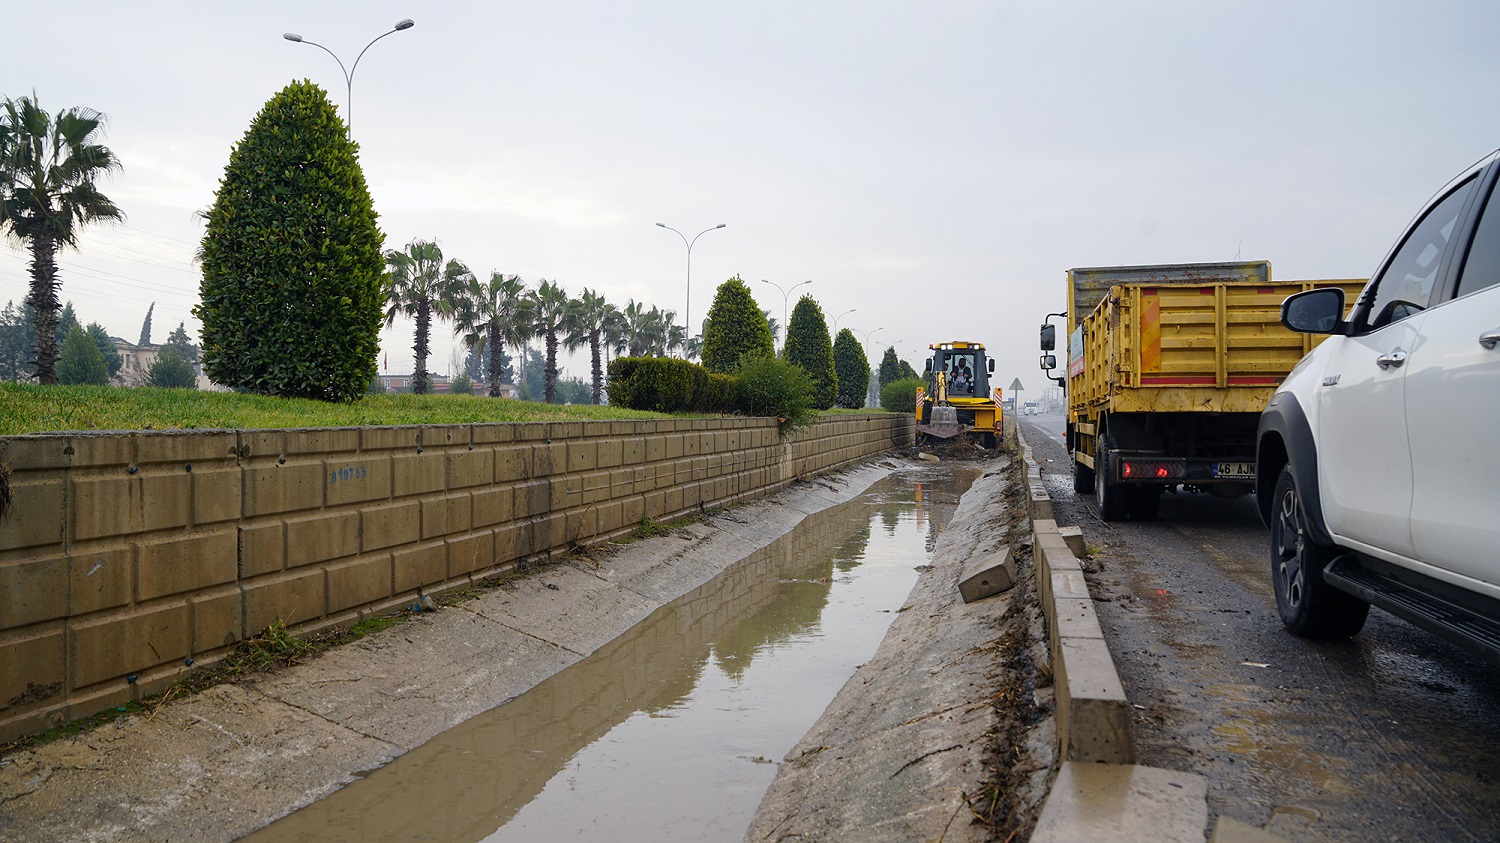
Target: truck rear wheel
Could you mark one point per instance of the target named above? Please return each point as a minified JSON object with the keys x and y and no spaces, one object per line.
{"x":1113,"y":499}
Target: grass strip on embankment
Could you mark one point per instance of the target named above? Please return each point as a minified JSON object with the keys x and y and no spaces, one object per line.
{"x":29,"y":408}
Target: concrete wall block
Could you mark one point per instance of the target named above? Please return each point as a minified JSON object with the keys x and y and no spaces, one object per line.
{"x":513,"y":463}
{"x":632,"y":451}
{"x":32,"y":667}
{"x":180,"y":447}
{"x":551,"y":532}
{"x":444,"y":436}
{"x":33,"y":590}
{"x":218,"y":619}
{"x":325,"y":441}
{"x":101,"y":577}
{"x":419,"y":474}
{"x":419,"y":567}
{"x":675,"y":448}
{"x":470,"y":553}
{"x":93,"y":450}
{"x":547,"y":460}
{"x":358,"y":479}
{"x":361,"y":581}
{"x":273,"y":487}
{"x":446,"y":515}
{"x":262,"y":443}
{"x":566,"y":431}
{"x":492,"y":434}
{"x":390,"y":525}
{"x":622,"y":429}
{"x":633,"y":510}
{"x":105,"y":505}
{"x":395,"y":438}
{"x":492,"y":505}
{"x":532,"y":432}
{"x":582,"y":524}
{"x":611,"y":517}
{"x":166,"y":499}
{"x":532,"y":499}
{"x":37,"y":514}
{"x":321,"y":538}
{"x":513,"y":541}
{"x":471,"y":467}
{"x":121,"y":643}
{"x":217,"y":494}
{"x":187,"y":563}
{"x":596,"y":486}
{"x":38,"y":452}
{"x":262,"y":548}
{"x":654,"y":449}
{"x":583,"y":456}
{"x":291,"y":597}
{"x":1094,"y":720}
{"x":567,"y":491}
{"x":674,"y":499}
{"x":655,"y":504}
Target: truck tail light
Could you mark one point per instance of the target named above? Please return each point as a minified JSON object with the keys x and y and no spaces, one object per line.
{"x":1151,"y":470}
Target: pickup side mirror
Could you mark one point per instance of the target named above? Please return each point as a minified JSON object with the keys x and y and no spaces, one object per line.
{"x":1317,"y":311}
{"x":1049,"y":339}
{"x":1049,"y":362}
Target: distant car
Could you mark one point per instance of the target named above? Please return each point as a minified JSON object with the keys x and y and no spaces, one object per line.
{"x":1378,"y":464}
{"x":1030,"y":408}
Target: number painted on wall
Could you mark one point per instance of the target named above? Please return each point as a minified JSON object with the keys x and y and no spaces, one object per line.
{"x":345,"y":474}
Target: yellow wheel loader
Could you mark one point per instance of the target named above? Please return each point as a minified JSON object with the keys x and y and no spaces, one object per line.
{"x":957,"y":399}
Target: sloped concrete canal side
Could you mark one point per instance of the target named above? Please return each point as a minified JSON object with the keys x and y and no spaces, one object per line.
{"x":943,"y":735}
{"x":228,"y":761}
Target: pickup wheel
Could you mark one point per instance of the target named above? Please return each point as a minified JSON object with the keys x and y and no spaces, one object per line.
{"x":1113,"y":499}
{"x":1309,"y":607}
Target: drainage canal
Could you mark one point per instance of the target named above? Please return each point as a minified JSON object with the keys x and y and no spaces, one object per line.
{"x":673,"y":730}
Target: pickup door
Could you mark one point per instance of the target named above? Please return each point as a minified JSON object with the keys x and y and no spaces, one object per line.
{"x":1453,"y":407}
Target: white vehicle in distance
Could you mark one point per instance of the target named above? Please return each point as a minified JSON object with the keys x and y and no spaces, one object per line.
{"x":1030,"y":408}
{"x":1378,"y":467}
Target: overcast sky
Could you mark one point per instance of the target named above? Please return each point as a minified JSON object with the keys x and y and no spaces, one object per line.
{"x":934,"y":166}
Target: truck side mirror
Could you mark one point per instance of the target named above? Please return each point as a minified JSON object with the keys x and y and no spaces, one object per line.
{"x":1049,"y":362}
{"x":1049,"y":338}
{"x":1314,"y":311}
{"x":992,"y":365}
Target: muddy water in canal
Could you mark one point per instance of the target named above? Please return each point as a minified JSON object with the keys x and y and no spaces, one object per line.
{"x":674,"y":730}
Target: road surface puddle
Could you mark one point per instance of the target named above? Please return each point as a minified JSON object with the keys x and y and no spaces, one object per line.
{"x":674,"y":730}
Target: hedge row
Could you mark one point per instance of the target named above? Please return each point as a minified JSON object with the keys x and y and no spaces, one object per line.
{"x":764,"y":386}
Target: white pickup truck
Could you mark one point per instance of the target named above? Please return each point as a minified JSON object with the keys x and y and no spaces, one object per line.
{"x":1378,"y":464}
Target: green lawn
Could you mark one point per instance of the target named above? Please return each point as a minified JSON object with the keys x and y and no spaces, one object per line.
{"x":28,"y":408}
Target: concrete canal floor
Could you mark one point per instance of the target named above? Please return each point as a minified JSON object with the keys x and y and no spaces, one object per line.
{"x":943,"y":725}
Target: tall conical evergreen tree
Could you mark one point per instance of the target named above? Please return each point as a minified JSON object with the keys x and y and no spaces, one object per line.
{"x":146,"y":326}
{"x":808,"y":346}
{"x":292,"y":291}
{"x":736,"y":327}
{"x":853,"y":370}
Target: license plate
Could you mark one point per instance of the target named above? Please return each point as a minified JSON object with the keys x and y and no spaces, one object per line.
{"x":1234,"y":469}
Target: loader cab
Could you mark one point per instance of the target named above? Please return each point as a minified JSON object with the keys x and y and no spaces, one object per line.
{"x":964,"y":367}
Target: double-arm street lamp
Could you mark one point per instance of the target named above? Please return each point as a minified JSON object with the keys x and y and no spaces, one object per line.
{"x":687,"y":322}
{"x":836,"y":321}
{"x":349,"y":73}
{"x":866,"y":335}
{"x":784,"y":294}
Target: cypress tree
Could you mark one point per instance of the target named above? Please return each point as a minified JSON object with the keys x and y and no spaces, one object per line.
{"x":736,"y":327}
{"x":808,"y":346}
{"x":890,"y":367}
{"x":80,"y":361}
{"x":146,"y":326}
{"x":292,"y":295}
{"x":853,"y":370}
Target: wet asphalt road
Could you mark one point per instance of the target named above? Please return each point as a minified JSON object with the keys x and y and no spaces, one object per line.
{"x":1390,"y":736}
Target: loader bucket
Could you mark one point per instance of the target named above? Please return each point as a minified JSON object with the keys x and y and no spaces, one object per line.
{"x":942,"y":423}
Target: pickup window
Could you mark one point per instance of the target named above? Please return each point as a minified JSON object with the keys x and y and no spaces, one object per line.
{"x":1405,"y":288}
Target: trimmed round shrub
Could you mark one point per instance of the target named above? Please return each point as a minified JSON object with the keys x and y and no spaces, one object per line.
{"x":735,"y":328}
{"x":767,"y":386}
{"x":901,"y":396}
{"x":658,"y":384}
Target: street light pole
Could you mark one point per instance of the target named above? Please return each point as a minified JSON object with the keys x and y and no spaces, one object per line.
{"x":784,"y":294}
{"x":867,"y":335}
{"x":349,"y":73}
{"x":687,"y":310}
{"x":836,"y":321}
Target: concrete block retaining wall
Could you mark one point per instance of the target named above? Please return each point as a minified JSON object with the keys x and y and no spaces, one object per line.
{"x":129,"y":557}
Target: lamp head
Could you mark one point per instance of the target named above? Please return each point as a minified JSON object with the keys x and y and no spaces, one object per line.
{"x":404,"y":24}
{"x":720,"y":225}
{"x":292,"y":36}
{"x":661,"y":225}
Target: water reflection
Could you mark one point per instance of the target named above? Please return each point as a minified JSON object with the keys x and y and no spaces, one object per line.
{"x":667,"y":732}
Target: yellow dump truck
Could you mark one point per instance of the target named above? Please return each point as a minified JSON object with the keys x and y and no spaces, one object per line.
{"x":957,"y":399}
{"x":1168,"y":369}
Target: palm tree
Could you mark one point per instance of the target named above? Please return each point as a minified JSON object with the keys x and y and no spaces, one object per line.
{"x":419,"y":285}
{"x":590,"y":320}
{"x":635,"y":322}
{"x":549,"y":318}
{"x":774,"y":325}
{"x":485,"y":312}
{"x":47,"y":194}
